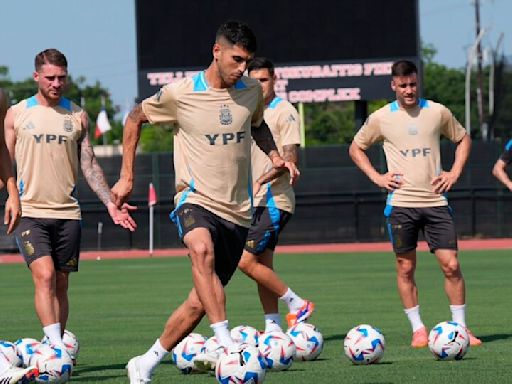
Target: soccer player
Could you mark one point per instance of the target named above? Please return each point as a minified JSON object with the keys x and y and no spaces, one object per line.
{"x":215,"y":113}
{"x":47,"y":135}
{"x":274,"y":202}
{"x":501,"y":164}
{"x":410,"y":128}
{"x":9,"y":374}
{"x":12,"y":205}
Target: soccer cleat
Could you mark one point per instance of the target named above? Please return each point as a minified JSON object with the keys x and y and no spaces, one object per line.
{"x":420,"y":338}
{"x":14,"y":375}
{"x":473,"y":340}
{"x":301,"y":315}
{"x":134,"y":373}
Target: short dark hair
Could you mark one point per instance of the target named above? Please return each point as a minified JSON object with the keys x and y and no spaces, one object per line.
{"x":239,"y":33}
{"x":261,"y":63}
{"x":403,"y":68}
{"x":50,"y":56}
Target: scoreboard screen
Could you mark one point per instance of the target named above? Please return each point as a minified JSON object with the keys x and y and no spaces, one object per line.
{"x":324,"y":50}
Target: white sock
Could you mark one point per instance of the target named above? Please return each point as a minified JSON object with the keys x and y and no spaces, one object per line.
{"x":152,"y":357}
{"x":459,"y":314}
{"x":52,"y":331}
{"x":294,"y":302}
{"x":414,"y":317}
{"x":222,"y":333}
{"x":273,"y":322}
{"x":4,"y":363}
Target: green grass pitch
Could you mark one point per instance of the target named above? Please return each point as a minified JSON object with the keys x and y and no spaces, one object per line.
{"x":118,"y":308}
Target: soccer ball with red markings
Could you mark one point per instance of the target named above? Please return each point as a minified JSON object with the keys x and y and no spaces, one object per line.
{"x":26,"y":348}
{"x":70,"y":341}
{"x":448,"y":341}
{"x":54,"y":364}
{"x":10,"y":352}
{"x":308,"y":341}
{"x":277,"y":349}
{"x":240,"y":364}
{"x":364,"y":344}
{"x":245,"y":334}
{"x":183,"y":354}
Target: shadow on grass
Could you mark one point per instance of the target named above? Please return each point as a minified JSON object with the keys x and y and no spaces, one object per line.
{"x":335,"y":337}
{"x":498,"y":336}
{"x":80,"y":373}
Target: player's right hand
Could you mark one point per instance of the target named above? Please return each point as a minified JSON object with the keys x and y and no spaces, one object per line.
{"x":121,"y":191}
{"x":12,"y":214}
{"x":390,"y":181}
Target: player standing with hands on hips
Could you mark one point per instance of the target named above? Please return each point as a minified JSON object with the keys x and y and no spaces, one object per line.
{"x":410,"y":128}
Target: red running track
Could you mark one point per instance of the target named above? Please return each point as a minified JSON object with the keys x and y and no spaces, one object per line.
{"x":473,"y":244}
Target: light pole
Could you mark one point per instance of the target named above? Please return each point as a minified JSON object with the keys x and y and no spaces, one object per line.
{"x":471,"y":58}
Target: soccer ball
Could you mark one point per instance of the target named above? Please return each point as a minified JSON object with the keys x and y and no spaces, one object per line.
{"x":54,"y":364}
{"x":277,"y":349}
{"x":245,"y":334}
{"x":183,"y":354}
{"x":10,"y":352}
{"x":364,"y":344}
{"x":448,"y":341}
{"x":308,"y":341}
{"x":71,"y":343}
{"x":212,"y":345}
{"x":240,"y":364}
{"x":26,"y":348}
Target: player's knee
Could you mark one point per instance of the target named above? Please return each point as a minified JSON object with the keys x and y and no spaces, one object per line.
{"x":43,"y":277}
{"x":405,"y":270}
{"x":451,"y":269}
{"x":246,"y":265}
{"x":200,"y":250}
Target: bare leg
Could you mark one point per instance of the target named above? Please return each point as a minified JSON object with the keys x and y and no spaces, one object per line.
{"x":206,"y":282}
{"x":182,"y":321}
{"x":62,"y":303}
{"x":453,"y":279}
{"x":405,"y":268}
{"x":260,"y":269}
{"x":45,"y":298}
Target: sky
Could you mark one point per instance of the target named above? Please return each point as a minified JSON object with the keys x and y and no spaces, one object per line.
{"x":98,"y":36}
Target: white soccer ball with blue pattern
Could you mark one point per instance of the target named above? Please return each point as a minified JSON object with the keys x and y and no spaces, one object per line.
{"x":26,"y":348}
{"x":364,"y":344}
{"x":183,"y":354}
{"x":245,"y":334}
{"x":277,"y":349}
{"x":70,"y":341}
{"x":54,"y":364}
{"x":448,"y":340}
{"x":241,"y":364}
{"x":308,"y":341}
{"x":10,"y":352}
{"x":212,"y":345}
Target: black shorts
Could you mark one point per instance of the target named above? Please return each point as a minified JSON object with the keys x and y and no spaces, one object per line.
{"x":58,"y":238}
{"x":228,"y":238}
{"x":436,"y":223}
{"x":267,"y":224}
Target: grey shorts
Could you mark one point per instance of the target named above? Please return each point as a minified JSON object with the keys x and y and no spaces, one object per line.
{"x":58,"y":238}
{"x":267,"y":224}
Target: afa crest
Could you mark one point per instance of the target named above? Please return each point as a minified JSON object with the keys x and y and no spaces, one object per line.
{"x":225,"y":116}
{"x":68,"y":125}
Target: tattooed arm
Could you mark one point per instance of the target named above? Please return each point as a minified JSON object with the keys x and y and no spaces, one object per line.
{"x":96,"y":179}
{"x":290,"y":154}
{"x":263,"y":138}
{"x":131,"y":135}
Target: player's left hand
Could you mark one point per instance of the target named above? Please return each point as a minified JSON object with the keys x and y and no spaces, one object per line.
{"x":278,"y":162}
{"x":12,"y":214}
{"x":444,"y":182}
{"x":121,"y":216}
